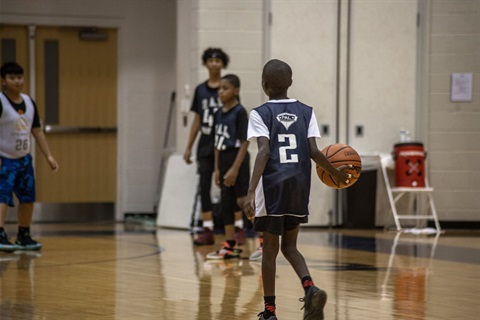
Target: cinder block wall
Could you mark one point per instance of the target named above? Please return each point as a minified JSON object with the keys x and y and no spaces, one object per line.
{"x":234,"y":26}
{"x":453,"y":130}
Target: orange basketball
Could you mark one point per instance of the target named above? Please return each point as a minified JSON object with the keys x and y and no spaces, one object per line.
{"x":340,"y":154}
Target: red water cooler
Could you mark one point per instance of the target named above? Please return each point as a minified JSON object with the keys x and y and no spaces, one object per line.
{"x":409,"y":164}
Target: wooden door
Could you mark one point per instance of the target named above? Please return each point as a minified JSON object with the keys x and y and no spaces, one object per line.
{"x":14,"y":47}
{"x":82,"y":134}
{"x":76,"y":96}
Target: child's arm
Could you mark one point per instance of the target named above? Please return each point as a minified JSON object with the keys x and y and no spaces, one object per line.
{"x":194,"y":129}
{"x":42,"y":143}
{"x":216,"y":170}
{"x":230,"y":177}
{"x":260,"y":162}
{"x":338,"y":174}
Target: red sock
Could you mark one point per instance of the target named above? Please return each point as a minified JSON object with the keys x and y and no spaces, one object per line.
{"x":307,"y":283}
{"x":270,"y":309}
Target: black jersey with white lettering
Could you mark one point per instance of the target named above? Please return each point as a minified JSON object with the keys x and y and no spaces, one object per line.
{"x":205,"y":103}
{"x":230,"y":128}
{"x":287,"y":175}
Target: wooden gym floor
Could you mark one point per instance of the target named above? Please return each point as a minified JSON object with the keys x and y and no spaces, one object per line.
{"x":130,"y":271}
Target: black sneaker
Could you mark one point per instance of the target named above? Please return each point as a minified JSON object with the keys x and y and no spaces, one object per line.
{"x":25,"y":242}
{"x":6,"y":245}
{"x":262,"y":317}
{"x":315,"y":301}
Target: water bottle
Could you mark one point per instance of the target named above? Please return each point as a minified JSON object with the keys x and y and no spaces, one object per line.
{"x":407,"y":136}
{"x":403,"y":135}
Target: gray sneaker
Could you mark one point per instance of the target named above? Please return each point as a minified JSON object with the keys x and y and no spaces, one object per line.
{"x":6,"y":245}
{"x":257,"y":255}
{"x":315,"y":301}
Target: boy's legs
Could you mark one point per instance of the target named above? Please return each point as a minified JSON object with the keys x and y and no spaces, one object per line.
{"x":227,"y":204}
{"x":205,"y":170}
{"x":3,"y":214}
{"x":25,"y":214}
{"x":239,"y":226}
{"x":24,"y":240}
{"x":314,"y":298}
{"x":269,"y":262}
{"x":207,"y":235}
{"x":291,"y":253}
{"x":230,"y":233}
{"x":25,"y":191}
{"x":8,"y":175}
{"x":269,"y":269}
{"x":5,"y":244}
{"x":241,"y":190}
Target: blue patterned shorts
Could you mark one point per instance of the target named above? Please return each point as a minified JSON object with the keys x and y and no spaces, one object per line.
{"x":16,"y":177}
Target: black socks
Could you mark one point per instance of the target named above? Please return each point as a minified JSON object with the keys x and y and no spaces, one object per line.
{"x":269,"y":307}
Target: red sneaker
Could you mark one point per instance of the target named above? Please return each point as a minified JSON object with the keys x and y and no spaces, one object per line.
{"x":226,"y":252}
{"x":240,"y":236}
{"x":205,"y":238}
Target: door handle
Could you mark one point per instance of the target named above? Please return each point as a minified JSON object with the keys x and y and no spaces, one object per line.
{"x":70,"y":129}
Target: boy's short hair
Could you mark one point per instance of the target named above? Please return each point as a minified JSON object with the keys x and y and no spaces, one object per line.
{"x":10,"y":68}
{"x":215,"y":53}
{"x":277,"y":75}
{"x":233,"y":79}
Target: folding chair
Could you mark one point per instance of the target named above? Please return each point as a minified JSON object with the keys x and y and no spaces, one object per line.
{"x":396,"y":193}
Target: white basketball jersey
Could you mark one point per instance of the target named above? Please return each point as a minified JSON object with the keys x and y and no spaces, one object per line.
{"x":15,"y":128}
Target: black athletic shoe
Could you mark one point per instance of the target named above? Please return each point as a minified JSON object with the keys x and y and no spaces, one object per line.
{"x":226,"y":252}
{"x":262,"y":317}
{"x":25,"y":242}
{"x":315,"y":301}
{"x":6,"y":245}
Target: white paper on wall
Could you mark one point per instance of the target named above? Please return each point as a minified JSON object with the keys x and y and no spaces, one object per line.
{"x":461,"y":87}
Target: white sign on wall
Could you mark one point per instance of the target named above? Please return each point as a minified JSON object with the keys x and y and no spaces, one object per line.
{"x":461,"y":87}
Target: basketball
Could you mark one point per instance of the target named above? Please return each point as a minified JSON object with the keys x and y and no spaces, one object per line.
{"x":338,"y":155}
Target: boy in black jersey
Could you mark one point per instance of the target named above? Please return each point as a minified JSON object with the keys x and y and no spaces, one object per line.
{"x":18,"y":121}
{"x":232,"y":161}
{"x":205,"y":103}
{"x":278,"y":196}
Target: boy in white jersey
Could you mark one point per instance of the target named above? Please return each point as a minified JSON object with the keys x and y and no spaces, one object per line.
{"x":279,"y":192}
{"x":18,"y":121}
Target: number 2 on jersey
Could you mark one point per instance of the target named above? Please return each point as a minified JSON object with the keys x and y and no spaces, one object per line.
{"x":292,"y":145}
